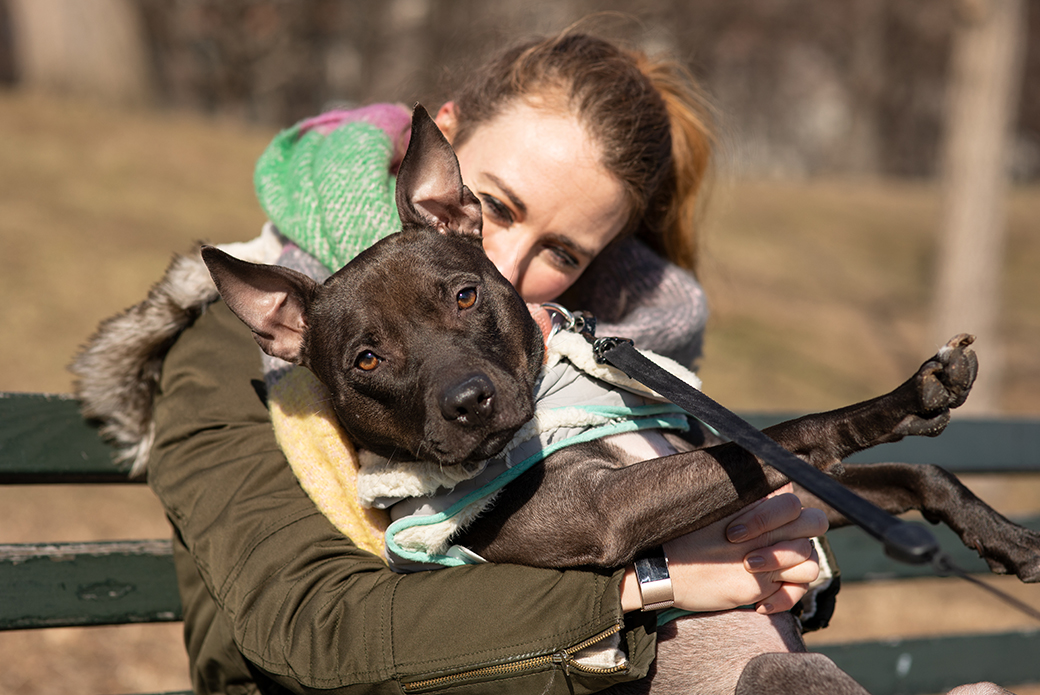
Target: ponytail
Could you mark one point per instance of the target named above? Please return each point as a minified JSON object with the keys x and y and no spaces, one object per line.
{"x":680,"y":199}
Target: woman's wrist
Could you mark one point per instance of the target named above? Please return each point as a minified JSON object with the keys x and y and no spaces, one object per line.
{"x":646,"y":585}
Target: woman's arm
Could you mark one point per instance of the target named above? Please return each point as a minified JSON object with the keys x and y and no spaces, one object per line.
{"x":301,"y":603}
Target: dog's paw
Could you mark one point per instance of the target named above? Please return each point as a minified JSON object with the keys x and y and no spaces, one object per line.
{"x":942,"y":383}
{"x":947,"y":378}
{"x":1018,"y":553}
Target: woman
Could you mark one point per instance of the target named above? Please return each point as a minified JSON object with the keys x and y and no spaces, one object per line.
{"x":588,"y":161}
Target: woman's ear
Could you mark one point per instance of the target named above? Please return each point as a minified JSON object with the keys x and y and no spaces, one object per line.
{"x":446,"y":120}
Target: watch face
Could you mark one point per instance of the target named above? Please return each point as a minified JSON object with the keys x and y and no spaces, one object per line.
{"x":655,"y":586}
{"x":651,"y":569}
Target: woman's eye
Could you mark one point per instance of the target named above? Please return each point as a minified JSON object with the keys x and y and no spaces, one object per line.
{"x":367,"y":361}
{"x":563,"y":258}
{"x":466,"y":298}
{"x":497,"y":209}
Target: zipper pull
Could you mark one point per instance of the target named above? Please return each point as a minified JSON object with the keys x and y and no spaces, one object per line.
{"x":562,"y":658}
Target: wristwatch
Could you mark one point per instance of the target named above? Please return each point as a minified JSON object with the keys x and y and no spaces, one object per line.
{"x":655,"y":585}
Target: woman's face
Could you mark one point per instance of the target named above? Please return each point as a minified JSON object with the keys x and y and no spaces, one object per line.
{"x":549,"y":205}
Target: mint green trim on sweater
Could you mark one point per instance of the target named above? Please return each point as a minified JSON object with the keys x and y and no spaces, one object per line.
{"x":648,"y":417}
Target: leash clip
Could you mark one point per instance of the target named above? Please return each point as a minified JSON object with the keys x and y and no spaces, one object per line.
{"x":584,"y":324}
{"x":563,"y":319}
{"x":604,"y":345}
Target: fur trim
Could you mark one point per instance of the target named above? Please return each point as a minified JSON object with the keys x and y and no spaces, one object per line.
{"x":574,"y":348}
{"x":118,"y":369}
{"x":435,"y":539}
{"x":378,"y":477}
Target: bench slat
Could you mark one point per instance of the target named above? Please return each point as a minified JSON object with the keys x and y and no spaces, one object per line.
{"x":44,"y":439}
{"x":934,"y":665}
{"x":967,"y":445}
{"x":77,"y":584}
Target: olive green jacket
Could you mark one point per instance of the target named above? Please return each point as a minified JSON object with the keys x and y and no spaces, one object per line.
{"x":274,"y":597}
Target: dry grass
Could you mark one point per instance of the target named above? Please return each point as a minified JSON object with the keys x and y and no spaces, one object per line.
{"x":819,"y":291}
{"x":825,"y":289}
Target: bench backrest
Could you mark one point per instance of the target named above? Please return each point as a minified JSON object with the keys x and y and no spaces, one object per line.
{"x":43,"y":440}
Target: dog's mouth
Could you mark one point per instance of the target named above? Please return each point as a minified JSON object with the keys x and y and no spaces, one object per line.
{"x":462,"y":449}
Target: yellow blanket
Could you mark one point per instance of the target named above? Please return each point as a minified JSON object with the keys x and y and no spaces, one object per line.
{"x":322,"y":457}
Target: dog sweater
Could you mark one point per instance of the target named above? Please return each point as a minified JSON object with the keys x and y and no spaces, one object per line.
{"x":576,"y":400}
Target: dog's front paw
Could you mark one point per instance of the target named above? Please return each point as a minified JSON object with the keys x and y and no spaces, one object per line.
{"x":947,"y":378}
{"x":1015,"y":552}
{"x":942,"y":383}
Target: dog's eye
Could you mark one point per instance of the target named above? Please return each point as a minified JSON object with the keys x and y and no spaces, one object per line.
{"x":367,"y":361}
{"x":466,"y":298}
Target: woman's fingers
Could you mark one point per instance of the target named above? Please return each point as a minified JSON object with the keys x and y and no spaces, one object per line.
{"x":783,"y":599}
{"x":770,"y":568}
{"x":763,"y":516}
{"x":780,"y":557}
{"x":810,"y":522}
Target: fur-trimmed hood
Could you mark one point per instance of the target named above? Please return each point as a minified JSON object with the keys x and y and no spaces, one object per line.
{"x":118,"y":369}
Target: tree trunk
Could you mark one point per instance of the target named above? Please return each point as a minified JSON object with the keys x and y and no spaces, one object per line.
{"x":90,"y":47}
{"x":985,"y":86}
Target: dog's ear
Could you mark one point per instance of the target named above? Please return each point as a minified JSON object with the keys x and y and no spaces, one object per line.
{"x":430,"y":192}
{"x":271,"y":300}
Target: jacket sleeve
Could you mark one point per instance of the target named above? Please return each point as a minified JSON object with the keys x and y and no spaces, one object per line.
{"x":306,"y":608}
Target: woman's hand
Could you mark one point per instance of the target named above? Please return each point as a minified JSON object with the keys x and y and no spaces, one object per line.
{"x":761,"y":555}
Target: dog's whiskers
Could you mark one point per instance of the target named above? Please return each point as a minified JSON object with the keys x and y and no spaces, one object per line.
{"x":317,"y":404}
{"x":419,"y":449}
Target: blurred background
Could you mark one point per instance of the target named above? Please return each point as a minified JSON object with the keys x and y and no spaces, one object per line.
{"x":876,"y":192}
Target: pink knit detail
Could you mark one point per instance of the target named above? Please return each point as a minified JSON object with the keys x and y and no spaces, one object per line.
{"x":390,"y":117}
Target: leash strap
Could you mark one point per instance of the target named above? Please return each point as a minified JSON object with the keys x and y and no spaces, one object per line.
{"x":905,"y":541}
{"x":944,"y":566}
{"x":908,"y":542}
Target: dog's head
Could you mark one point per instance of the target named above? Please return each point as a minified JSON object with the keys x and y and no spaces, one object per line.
{"x":427,"y":350}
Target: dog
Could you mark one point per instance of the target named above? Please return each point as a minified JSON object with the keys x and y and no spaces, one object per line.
{"x":429,"y":354}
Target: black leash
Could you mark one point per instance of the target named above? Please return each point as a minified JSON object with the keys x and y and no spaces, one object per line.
{"x":902,"y":540}
{"x":905,"y":541}
{"x":944,"y":566}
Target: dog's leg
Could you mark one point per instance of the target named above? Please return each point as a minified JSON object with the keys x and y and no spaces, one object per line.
{"x":785,"y":673}
{"x":942,"y":498}
{"x":584,"y":506}
{"x":980,"y":689}
{"x":705,"y":653}
{"x":918,"y":407}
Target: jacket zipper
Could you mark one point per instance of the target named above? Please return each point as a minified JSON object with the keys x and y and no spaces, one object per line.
{"x":564,"y":657}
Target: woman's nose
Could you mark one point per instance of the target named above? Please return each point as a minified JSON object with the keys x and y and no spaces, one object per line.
{"x":509,"y":253}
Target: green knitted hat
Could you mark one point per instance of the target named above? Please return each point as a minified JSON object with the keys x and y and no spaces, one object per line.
{"x":327,"y":183}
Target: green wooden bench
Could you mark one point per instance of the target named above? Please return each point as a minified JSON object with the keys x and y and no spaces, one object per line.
{"x":43,"y":440}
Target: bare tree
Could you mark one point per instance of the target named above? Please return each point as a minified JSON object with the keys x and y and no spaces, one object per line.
{"x":985,"y":86}
{"x":93,"y":47}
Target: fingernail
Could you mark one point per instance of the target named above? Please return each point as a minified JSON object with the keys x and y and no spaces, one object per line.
{"x":766,"y":608}
{"x":756,"y":562}
{"x":737,"y":533}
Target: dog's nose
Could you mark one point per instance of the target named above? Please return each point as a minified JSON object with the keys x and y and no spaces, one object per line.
{"x":469,"y":402}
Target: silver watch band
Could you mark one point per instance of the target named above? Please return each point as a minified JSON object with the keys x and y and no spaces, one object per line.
{"x":655,"y":584}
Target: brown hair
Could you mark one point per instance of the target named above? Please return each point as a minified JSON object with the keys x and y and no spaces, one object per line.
{"x":649,"y":116}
